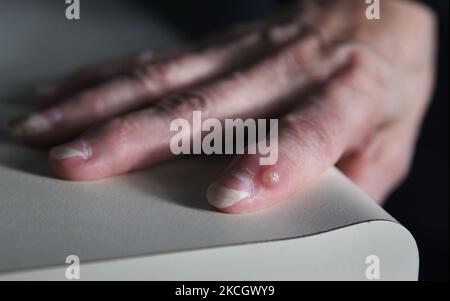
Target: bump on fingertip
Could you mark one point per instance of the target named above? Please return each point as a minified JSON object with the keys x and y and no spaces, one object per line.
{"x":270,"y":178}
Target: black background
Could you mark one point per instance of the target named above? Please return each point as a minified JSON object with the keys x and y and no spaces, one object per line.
{"x":421,"y":204}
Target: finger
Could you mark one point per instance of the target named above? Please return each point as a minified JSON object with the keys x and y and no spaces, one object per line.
{"x":275,"y":34}
{"x":381,"y":164}
{"x":151,"y":82}
{"x":90,"y":76}
{"x":50,"y":93}
{"x":139,"y":88}
{"x":312,"y":138}
{"x":143,"y":138}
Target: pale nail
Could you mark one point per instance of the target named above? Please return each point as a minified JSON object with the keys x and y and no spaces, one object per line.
{"x":32,"y":125}
{"x":36,"y":123}
{"x":83,"y":151}
{"x":230,"y":191}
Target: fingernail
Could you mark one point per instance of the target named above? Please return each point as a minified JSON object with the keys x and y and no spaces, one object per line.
{"x":30,"y":126}
{"x":230,"y":190}
{"x":82,"y":150}
{"x":35,"y":124}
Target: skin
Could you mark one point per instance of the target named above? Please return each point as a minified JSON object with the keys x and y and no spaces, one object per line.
{"x":348,"y":91}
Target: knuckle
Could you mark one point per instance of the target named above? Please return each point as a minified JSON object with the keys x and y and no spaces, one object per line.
{"x":297,"y":57}
{"x":103,"y":100}
{"x":368,"y":71}
{"x":160,"y":70}
{"x":310,"y":133}
{"x":353,"y":81}
{"x":101,"y":103}
{"x":279,"y":33}
{"x":122,"y":127}
{"x":183,"y":104}
{"x":154,"y":76}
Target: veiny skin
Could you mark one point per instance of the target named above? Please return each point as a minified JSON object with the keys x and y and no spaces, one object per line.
{"x":348,"y":91}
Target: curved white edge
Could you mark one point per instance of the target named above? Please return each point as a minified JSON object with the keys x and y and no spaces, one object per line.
{"x":339,"y":254}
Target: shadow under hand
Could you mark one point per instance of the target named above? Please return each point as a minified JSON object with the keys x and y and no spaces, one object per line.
{"x":21,"y":158}
{"x":182,"y":181}
{"x":12,"y":107}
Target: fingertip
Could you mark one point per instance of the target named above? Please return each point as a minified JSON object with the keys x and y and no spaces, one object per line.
{"x":66,"y":169}
{"x":18,"y":130}
{"x":246,"y":188}
{"x":34,"y":127}
{"x":71,"y":161}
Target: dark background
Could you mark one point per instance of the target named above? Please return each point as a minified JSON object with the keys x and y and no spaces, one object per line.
{"x":421,"y":204}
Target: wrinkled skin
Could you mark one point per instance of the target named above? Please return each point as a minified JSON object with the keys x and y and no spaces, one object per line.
{"x":348,"y":91}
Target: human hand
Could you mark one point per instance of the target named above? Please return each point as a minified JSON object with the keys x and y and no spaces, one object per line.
{"x":349,"y":91}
